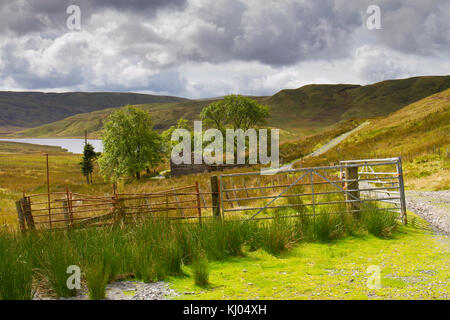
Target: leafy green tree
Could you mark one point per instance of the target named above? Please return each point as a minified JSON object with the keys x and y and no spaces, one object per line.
{"x":130,"y":144}
{"x":244,"y":113}
{"x":235,"y":111}
{"x":87,"y":162}
{"x":215,"y":115}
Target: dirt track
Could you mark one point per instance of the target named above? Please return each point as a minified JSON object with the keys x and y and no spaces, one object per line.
{"x":433,"y":206}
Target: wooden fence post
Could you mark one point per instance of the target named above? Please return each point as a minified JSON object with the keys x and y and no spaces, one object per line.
{"x":215,"y":196}
{"x":351,"y":173}
{"x":20,"y":216}
{"x":26,"y":209}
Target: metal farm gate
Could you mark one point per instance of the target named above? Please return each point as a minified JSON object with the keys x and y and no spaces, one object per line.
{"x":351,"y":186}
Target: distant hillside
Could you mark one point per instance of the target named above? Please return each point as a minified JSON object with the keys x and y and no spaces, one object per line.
{"x":328,"y":104}
{"x":31,"y":109}
{"x":298,"y":112}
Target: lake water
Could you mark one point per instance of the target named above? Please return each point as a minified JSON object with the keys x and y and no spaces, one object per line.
{"x":72,"y":145}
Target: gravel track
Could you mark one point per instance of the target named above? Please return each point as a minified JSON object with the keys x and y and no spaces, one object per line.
{"x":433,"y":206}
{"x":327,"y":146}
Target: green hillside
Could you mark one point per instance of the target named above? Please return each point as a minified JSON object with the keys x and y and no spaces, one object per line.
{"x":327,"y":104}
{"x":30,"y":109}
{"x":297,"y":112}
{"x":164,"y":115}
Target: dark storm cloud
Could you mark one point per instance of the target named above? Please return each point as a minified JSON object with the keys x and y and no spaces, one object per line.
{"x":274,"y":33}
{"x":22,"y":17}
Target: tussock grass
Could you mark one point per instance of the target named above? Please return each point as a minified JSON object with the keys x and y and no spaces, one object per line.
{"x":97,"y":276}
{"x":200,"y":269}
{"x":52,"y":254}
{"x":379,"y":223}
{"x":154,"y":249}
{"x":15,"y":269}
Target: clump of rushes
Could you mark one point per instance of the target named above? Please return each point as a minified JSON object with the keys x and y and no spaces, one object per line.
{"x":328,"y":227}
{"x":221,"y":239}
{"x":97,"y":275}
{"x":53,"y":255}
{"x":273,"y":236}
{"x":279,"y":235}
{"x":200,"y":269}
{"x":379,"y":223}
{"x":16,"y":273}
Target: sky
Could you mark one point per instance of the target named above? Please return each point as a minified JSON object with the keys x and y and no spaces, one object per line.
{"x":200,"y":49}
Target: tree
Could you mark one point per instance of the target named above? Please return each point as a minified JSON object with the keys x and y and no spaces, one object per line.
{"x":130,"y":144}
{"x":215,"y":115}
{"x":235,"y":111}
{"x":87,"y":162}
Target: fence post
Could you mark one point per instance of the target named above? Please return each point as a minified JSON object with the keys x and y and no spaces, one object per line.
{"x":26,"y":209}
{"x":402,"y":191}
{"x":199,"y":205}
{"x":20,"y":216}
{"x":351,"y":183}
{"x":119,"y":212}
{"x":215,"y":196}
{"x":70,"y":203}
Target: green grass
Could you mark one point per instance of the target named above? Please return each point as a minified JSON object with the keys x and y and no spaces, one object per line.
{"x":413,"y":264}
{"x":200,"y":269}
{"x":380,"y":224}
{"x":97,"y":276}
{"x":152,"y":250}
{"x":15,"y":269}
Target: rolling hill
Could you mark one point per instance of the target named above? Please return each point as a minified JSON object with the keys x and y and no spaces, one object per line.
{"x":328,"y":104}
{"x":31,"y":109}
{"x":301,"y":111}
